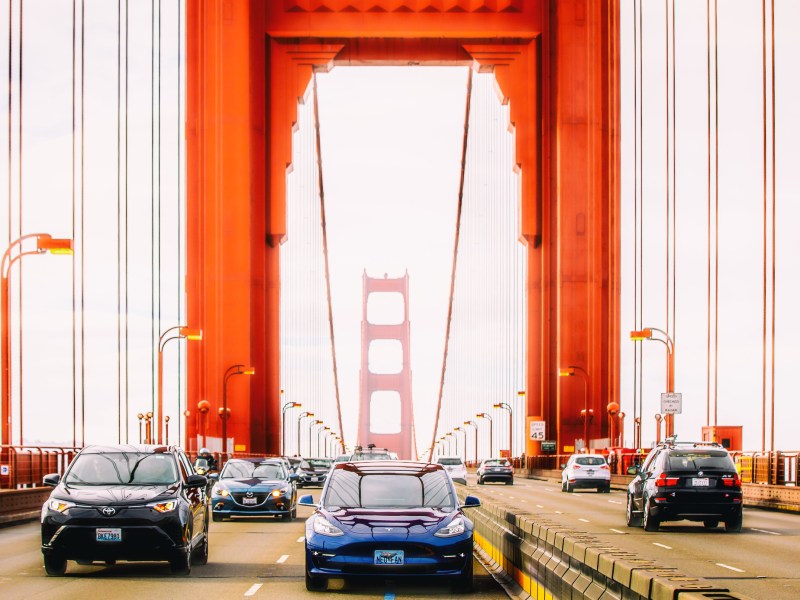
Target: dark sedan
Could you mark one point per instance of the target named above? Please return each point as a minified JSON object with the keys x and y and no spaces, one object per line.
{"x":254,"y":487}
{"x":495,"y":469}
{"x":313,"y":471}
{"x":126,"y":502}
{"x":389,"y":519}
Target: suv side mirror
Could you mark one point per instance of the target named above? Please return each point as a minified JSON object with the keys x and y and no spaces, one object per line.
{"x":196,"y":481}
{"x":293,"y":476}
{"x":52,"y":479}
{"x":563,"y":465}
{"x":633,"y":470}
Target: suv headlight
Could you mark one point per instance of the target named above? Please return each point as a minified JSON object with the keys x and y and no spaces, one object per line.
{"x":163,"y":507}
{"x":60,"y":505}
{"x":455,"y":527}
{"x":323,"y":527}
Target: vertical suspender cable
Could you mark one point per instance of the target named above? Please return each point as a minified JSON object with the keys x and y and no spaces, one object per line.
{"x":74,"y":337}
{"x":455,"y":260}
{"x":774,"y":228}
{"x":19,"y":217}
{"x":635,"y":213}
{"x":708,"y":211}
{"x":179,"y":249}
{"x":641,"y":214}
{"x":323,"y":221}
{"x":158,"y":211}
{"x":153,"y":333}
{"x":764,"y":225}
{"x":716,"y":208}
{"x":127,"y":358}
{"x":119,"y":224}
{"x":666,"y":162}
{"x":674,"y":184}
{"x":83,"y":238}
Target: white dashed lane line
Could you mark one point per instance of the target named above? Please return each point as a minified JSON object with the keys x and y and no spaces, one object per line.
{"x":662,"y":546}
{"x":282,"y":559}
{"x":253,"y":589}
{"x":539,"y":506}
{"x":765,"y":531}
{"x":300,"y":540}
{"x":614,"y":502}
{"x":584,"y":520}
{"x":558,"y":512}
{"x":617,"y":531}
{"x":730,"y":567}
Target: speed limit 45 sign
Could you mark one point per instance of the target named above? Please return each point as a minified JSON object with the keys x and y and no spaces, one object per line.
{"x":537,"y":431}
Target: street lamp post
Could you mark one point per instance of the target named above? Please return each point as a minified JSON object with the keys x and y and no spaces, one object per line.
{"x":299,"y":420}
{"x":488,"y":417}
{"x":183,"y":332}
{"x":311,"y":433}
{"x":44,"y":243}
{"x":230,"y":372}
{"x":284,"y":408}
{"x":647,"y":334}
{"x":458,"y":430}
{"x":474,"y":425}
{"x":570,"y":371}
{"x":322,"y":430}
{"x":507,"y":406}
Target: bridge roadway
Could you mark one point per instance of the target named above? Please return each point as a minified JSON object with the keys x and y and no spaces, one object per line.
{"x":251,"y":559}
{"x":760,"y":562}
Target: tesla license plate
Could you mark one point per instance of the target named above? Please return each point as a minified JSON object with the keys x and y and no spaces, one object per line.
{"x":109,"y":535}
{"x":389,"y":557}
{"x":700,"y":481}
{"x":249,"y":500}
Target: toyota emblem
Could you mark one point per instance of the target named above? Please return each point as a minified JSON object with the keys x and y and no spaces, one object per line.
{"x":109,"y":511}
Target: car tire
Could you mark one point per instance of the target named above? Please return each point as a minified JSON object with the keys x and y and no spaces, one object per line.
{"x":710,"y":523}
{"x":287,"y":516}
{"x":217,"y":518}
{"x":316,"y":584}
{"x":570,"y":488}
{"x":649,"y":522}
{"x":606,"y":489}
{"x":294,"y":513}
{"x":510,"y":482}
{"x":201,"y":552}
{"x":181,"y":562}
{"x":55,"y":565}
{"x":632,"y":519}
{"x":563,"y":486}
{"x":734,"y":525}
{"x":480,"y":481}
{"x":463,"y":584}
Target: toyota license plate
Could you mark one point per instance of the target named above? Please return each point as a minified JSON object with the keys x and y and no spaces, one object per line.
{"x":249,"y":500}
{"x":389,"y":557}
{"x":700,"y":481}
{"x":106,"y":534}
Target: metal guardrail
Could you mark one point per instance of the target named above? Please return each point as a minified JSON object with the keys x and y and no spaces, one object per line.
{"x":25,"y":466}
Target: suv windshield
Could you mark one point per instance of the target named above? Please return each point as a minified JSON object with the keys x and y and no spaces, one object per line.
{"x":694,"y":460}
{"x":244,"y":469}
{"x":123,"y":468}
{"x":449,"y":461}
{"x":347,"y":489}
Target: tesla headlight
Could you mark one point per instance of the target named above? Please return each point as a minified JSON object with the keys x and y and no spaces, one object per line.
{"x":323,"y":527}
{"x":60,"y":505}
{"x":163,"y":507}
{"x":455,"y":527}
{"x":220,"y":491}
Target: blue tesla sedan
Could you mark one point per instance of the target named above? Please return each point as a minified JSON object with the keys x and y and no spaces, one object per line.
{"x":254,"y":487}
{"x":388,"y":519}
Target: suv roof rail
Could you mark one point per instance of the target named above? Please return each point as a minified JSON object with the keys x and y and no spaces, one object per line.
{"x":674,"y":443}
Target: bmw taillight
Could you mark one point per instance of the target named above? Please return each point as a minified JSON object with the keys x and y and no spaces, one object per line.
{"x":732,"y":481}
{"x":664,"y":481}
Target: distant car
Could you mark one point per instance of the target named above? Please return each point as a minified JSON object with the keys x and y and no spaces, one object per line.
{"x":455,"y":466}
{"x":313,"y":471}
{"x":370,"y":453}
{"x":495,"y":469}
{"x":253,"y":487}
{"x":393,"y":519}
{"x":586,"y":471}
{"x":695,"y":481}
{"x":126,"y":502}
{"x":294,"y":463}
{"x":341,"y":458}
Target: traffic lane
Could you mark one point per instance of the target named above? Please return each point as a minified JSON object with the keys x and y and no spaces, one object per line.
{"x":756,"y":561}
{"x":248,"y":558}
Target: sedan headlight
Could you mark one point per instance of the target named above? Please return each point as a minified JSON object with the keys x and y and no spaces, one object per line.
{"x":456,"y":527}
{"x":163,"y":507}
{"x":60,"y":505}
{"x":278,"y":492}
{"x":220,"y":491}
{"x":323,"y":527}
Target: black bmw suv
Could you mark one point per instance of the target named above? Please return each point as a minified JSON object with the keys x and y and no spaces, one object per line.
{"x":695,"y":481}
{"x":126,"y":502}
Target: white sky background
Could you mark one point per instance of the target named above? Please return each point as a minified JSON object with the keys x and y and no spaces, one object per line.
{"x":404,"y":155}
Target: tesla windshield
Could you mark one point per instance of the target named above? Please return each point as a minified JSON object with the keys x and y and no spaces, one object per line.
{"x":348,"y":489}
{"x":122,"y":468}
{"x":244,"y":469}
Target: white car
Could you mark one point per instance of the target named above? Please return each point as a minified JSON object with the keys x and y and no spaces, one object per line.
{"x":586,"y":471}
{"x":455,"y":466}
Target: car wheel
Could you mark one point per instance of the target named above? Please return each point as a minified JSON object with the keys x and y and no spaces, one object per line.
{"x":463,"y":583}
{"x":316,"y":584}
{"x":294,"y":512}
{"x":54,"y":565}
{"x":607,"y":489}
{"x":217,"y":518}
{"x":632,"y":519}
{"x":563,"y":486}
{"x":649,"y":522}
{"x":480,"y":481}
{"x":710,"y":523}
{"x":734,"y":525}
{"x":510,"y":482}
{"x":181,"y":563}
{"x":570,"y":488}
{"x":201,"y":552}
{"x":287,"y":516}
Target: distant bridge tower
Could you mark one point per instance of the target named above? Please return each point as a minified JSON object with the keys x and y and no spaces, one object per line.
{"x":386,"y":414}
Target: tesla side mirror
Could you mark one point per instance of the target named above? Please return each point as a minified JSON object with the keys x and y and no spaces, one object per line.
{"x":563,"y":465}
{"x":51,"y":479}
{"x":633,"y":470}
{"x":196,"y":481}
{"x":471,"y":502}
{"x":307,"y":500}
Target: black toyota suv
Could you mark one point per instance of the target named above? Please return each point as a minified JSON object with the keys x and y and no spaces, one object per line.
{"x":695,"y":481}
{"x":126,"y":502}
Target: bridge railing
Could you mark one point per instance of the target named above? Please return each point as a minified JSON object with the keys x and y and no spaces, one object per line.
{"x":25,"y":466}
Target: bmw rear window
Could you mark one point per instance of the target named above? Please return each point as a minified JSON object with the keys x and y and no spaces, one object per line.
{"x":694,"y":460}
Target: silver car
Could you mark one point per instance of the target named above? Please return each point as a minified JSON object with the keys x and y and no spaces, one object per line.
{"x":455,"y":466}
{"x":586,"y":471}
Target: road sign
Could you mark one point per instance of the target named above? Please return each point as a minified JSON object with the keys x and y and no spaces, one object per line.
{"x":671,"y":404}
{"x":4,"y":470}
{"x":537,"y":430}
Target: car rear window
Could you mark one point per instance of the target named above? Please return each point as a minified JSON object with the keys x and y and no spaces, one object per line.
{"x":590,"y":460}
{"x":449,"y":461}
{"x":693,"y":460}
{"x":350,"y":490}
{"x":123,"y":468}
{"x":497,"y":463}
